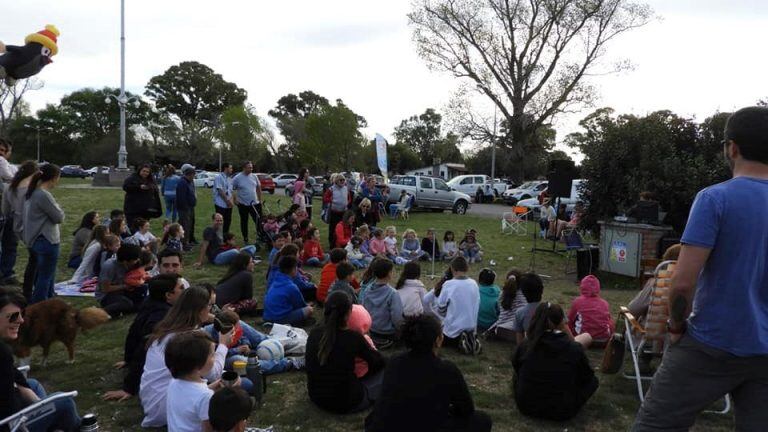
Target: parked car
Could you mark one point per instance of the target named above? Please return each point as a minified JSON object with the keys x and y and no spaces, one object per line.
{"x":205,"y":179}
{"x":534,"y":203}
{"x":469,"y":184}
{"x":529,"y":189}
{"x":429,"y":193}
{"x":93,"y":170}
{"x":73,"y":171}
{"x":315,"y":187}
{"x":283,"y":179}
{"x":266,"y":182}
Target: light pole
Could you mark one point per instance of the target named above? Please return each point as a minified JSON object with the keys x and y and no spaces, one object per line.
{"x":121,"y":99}
{"x":215,"y":125}
{"x":37,"y":128}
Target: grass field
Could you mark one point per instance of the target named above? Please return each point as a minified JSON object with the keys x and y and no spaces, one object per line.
{"x":286,"y":404}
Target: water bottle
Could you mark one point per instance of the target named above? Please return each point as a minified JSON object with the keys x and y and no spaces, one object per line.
{"x":89,"y":423}
{"x":253,"y":372}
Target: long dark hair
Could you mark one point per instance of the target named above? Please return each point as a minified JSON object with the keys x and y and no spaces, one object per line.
{"x":420,"y":333}
{"x":184,"y":315}
{"x":509,"y":291}
{"x":239,"y":263}
{"x":150,"y":178}
{"x":46,"y":173}
{"x":26,"y":169}
{"x":547,"y":317}
{"x":87,"y":221}
{"x":368,"y":274}
{"x":302,"y":173}
{"x":411,"y":270}
{"x":98,"y":234}
{"x":337,"y":308}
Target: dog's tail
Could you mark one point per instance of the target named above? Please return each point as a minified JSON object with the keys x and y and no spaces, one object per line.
{"x":91,"y":317}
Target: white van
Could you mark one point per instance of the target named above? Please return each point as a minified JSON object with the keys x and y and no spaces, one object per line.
{"x":468,"y":184}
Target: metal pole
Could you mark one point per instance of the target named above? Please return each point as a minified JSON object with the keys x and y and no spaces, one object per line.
{"x":38,"y":144}
{"x":493,"y":152}
{"x":122,"y":154}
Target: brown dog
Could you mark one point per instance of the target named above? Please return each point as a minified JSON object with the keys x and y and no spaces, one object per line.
{"x":55,"y":320}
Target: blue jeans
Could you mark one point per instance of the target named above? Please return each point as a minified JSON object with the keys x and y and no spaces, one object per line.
{"x":226,"y":257}
{"x":316,"y":262}
{"x":252,"y":338}
{"x":47,"y":254}
{"x":170,"y":208}
{"x":358,"y":263}
{"x":65,"y":417}
{"x":8,"y":244}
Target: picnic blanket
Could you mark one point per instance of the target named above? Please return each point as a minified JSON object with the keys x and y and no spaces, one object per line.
{"x":73,"y":289}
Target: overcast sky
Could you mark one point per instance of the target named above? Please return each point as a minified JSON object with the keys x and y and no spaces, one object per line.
{"x":700,"y":57}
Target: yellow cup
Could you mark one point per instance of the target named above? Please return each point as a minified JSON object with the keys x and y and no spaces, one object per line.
{"x":239,"y":367}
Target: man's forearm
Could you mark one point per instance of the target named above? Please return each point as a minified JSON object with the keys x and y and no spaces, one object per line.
{"x":680,"y":301}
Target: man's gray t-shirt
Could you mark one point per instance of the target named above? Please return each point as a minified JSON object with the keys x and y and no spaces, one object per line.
{"x":111,"y":271}
{"x":245,"y":187}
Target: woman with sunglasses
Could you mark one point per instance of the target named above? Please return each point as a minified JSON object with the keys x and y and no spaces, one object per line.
{"x":365,"y":214}
{"x":17,"y":392}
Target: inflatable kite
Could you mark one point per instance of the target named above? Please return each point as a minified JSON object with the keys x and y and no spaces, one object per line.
{"x":19,"y":62}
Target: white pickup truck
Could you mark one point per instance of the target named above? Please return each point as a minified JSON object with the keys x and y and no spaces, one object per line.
{"x":429,"y":193}
{"x":469,"y":184}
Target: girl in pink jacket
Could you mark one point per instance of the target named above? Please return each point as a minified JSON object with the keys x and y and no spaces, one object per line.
{"x":590,"y":313}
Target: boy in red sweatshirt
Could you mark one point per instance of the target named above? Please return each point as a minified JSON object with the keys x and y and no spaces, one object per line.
{"x":328,"y":274}
{"x":312,"y":252}
{"x":590,"y":313}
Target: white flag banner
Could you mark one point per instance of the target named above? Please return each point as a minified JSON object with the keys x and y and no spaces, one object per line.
{"x":381,"y":154}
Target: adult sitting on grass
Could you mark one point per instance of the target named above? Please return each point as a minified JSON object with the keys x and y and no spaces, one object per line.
{"x":164,"y":291}
{"x":420,"y":391}
{"x":283,"y":302}
{"x":553,"y":378}
{"x":331,"y":352}
{"x":235,"y":289}
{"x":91,"y":255}
{"x":187,"y":314}
{"x":112,"y":293}
{"x":213,"y":239}
{"x":82,"y":237}
{"x":16,"y":391}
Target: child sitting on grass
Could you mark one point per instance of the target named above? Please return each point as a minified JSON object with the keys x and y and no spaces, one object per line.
{"x":458,"y":304}
{"x":532,"y":288}
{"x":271,"y":225}
{"x":228,"y":410}
{"x":377,"y":246}
{"x":590,"y":314}
{"x":411,"y":289}
{"x":365,"y":235}
{"x":354,"y":255}
{"x":411,"y":249}
{"x":328,"y":274}
{"x":489,"y":299}
{"x":312,"y":253}
{"x":512,"y":300}
{"x":345,"y":272}
{"x":430,"y":246}
{"x":142,"y":236}
{"x":172,"y":239}
{"x":189,"y":356}
{"x":450,"y":250}
{"x":470,"y":248}
{"x":360,"y":321}
{"x":390,"y":241}
{"x":228,"y":243}
{"x":138,"y":276}
{"x":384,"y":305}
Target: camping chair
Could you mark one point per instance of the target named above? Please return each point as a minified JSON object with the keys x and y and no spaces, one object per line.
{"x":35,"y":412}
{"x":403,"y":211}
{"x":511,"y":222}
{"x":573,"y":242}
{"x":651,"y":337}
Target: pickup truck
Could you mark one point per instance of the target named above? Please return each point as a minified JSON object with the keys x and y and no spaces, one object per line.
{"x":469,"y":184}
{"x":429,"y":193}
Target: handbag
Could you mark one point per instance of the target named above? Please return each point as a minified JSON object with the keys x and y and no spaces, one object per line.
{"x":613,"y":356}
{"x":156,"y":210}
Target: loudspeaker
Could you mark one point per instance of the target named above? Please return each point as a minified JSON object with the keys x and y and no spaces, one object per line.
{"x":587,"y":261}
{"x":560,"y":178}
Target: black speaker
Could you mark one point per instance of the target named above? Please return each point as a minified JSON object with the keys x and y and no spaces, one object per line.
{"x":560,"y":178}
{"x":587,"y":261}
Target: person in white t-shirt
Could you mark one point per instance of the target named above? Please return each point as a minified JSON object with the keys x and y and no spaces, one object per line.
{"x":190,"y":356}
{"x":458,"y":303}
{"x":187,"y":314}
{"x":142,"y":236}
{"x":547,"y":217}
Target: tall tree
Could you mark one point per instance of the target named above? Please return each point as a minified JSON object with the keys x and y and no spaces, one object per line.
{"x":291,"y":114}
{"x":12,"y":105}
{"x":245,"y":136}
{"x":530,"y":59}
{"x":423,"y":134}
{"x":333,"y":138}
{"x":192,"y":97}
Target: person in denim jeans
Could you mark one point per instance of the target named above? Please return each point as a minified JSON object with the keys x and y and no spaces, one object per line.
{"x":168,"y":186}
{"x":213,"y":240}
{"x":42,"y":217}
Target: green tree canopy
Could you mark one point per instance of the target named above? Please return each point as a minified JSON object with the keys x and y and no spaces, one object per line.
{"x":424,"y":136}
{"x":333,"y":138}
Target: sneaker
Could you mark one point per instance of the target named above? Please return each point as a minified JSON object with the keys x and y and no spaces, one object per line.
{"x":469,"y":343}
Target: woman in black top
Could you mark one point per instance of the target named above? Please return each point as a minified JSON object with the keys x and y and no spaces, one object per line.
{"x":365,"y":215}
{"x":17,"y":392}
{"x":142,"y":196}
{"x":235,"y":288}
{"x":422,"y":392}
{"x":553,"y":378}
{"x":331,"y":352}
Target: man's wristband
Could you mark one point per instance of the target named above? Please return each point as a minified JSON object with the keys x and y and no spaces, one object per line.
{"x":672,"y":330}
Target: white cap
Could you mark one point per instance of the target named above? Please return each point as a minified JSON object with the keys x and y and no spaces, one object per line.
{"x":187,"y":167}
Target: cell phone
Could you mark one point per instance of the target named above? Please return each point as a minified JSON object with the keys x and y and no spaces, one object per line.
{"x":221,"y":327}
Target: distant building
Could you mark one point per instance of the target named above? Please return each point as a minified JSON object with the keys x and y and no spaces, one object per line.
{"x":446,"y":171}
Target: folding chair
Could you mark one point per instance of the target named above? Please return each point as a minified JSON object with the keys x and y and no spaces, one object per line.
{"x":512,"y":223}
{"x":403,"y":211}
{"x":651,"y":337}
{"x":34,"y":413}
{"x":573,"y":242}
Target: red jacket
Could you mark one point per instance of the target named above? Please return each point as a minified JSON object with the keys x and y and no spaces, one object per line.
{"x":589,"y":313}
{"x":327,"y":277}
{"x":312,"y":249}
{"x":343,"y":234}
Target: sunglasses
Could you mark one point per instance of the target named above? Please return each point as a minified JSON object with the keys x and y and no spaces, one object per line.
{"x":14,"y":316}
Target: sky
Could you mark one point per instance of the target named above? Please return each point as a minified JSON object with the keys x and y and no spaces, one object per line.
{"x":697,"y":58}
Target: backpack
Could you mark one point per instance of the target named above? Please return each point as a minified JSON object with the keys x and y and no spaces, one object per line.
{"x":469,"y":343}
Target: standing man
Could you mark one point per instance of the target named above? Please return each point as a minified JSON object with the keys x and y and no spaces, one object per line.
{"x":339,"y":199}
{"x":186,"y":200}
{"x":247,"y":189}
{"x":222,"y":195}
{"x":9,"y":241}
{"x":718,"y":300}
